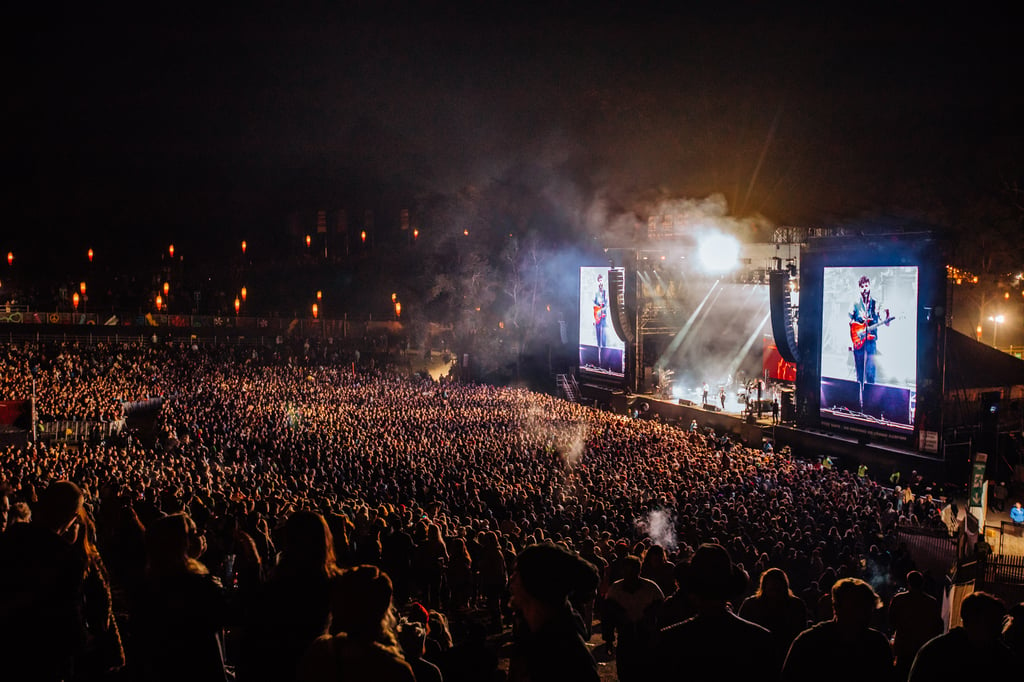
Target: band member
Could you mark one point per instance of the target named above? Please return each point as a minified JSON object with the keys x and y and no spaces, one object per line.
{"x":600,"y":318}
{"x":704,"y":392}
{"x":721,"y":396}
{"x":865,"y":318}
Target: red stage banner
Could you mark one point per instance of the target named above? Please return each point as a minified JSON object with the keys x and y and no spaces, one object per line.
{"x":773,"y":364}
{"x":16,"y":414}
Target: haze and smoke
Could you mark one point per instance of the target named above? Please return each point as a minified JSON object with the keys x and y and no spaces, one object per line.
{"x":568,"y":439}
{"x":660,"y":527}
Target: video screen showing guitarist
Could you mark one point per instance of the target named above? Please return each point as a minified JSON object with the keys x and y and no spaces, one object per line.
{"x":601,"y":317}
{"x":865,"y":319}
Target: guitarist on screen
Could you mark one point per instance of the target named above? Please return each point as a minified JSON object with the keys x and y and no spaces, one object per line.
{"x":865,"y":318}
{"x":600,"y":317}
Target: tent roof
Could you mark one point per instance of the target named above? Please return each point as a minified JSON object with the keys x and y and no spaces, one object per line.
{"x":971,"y":364}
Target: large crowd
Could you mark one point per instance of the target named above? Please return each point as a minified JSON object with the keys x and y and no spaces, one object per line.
{"x":289,"y":517}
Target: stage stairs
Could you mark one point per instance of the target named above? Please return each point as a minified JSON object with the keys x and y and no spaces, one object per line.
{"x":567,"y":387}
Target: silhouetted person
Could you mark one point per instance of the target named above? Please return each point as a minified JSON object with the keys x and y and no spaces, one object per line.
{"x":42,"y":575}
{"x":915,"y":617}
{"x":549,"y":645}
{"x":179,"y":615}
{"x":845,"y":647}
{"x":971,"y":651}
{"x":776,"y":608}
{"x":715,"y":644}
{"x":412,"y":637}
{"x":281,"y":618}
{"x":362,"y":643}
{"x":631,"y":606}
{"x":1013,"y":631}
{"x":679,"y":606}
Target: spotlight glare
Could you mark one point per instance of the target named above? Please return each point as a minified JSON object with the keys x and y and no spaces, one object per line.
{"x":718,"y":253}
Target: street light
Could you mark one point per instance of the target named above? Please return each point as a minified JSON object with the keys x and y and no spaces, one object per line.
{"x":996,"y":321}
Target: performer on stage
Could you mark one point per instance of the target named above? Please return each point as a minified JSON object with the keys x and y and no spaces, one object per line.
{"x":865,"y":318}
{"x":600,"y":318}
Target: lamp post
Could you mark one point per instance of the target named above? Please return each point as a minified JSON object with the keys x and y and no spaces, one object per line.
{"x":996,"y":321}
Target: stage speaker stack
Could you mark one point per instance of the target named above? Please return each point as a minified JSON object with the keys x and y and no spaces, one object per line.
{"x":617,"y":299}
{"x":684,"y":401}
{"x":712,"y":408}
{"x":787,"y":406}
{"x":782,"y":314}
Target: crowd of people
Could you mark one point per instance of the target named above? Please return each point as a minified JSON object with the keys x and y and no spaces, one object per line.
{"x":285,"y":518}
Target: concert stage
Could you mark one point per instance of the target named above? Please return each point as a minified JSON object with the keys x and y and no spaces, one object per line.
{"x":848,"y":453}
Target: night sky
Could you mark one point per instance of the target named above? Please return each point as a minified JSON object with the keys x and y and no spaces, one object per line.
{"x":131,"y":131}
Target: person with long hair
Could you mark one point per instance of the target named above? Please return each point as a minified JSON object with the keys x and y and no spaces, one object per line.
{"x":431,"y":559}
{"x":281,"y":618}
{"x":459,"y":574}
{"x":181,"y":609}
{"x":42,"y":585}
{"x":776,"y":608}
{"x":491,"y":577}
{"x":103,"y":652}
{"x":362,"y":643}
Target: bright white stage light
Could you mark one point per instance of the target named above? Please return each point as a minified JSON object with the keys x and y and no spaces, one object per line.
{"x":718,"y":253}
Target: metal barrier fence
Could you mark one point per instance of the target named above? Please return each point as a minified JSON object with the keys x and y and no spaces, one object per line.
{"x":67,"y":430}
{"x":1001,"y":568}
{"x":270,"y":326}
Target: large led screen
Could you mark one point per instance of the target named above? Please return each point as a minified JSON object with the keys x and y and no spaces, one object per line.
{"x":869,"y":346}
{"x":601,"y":350}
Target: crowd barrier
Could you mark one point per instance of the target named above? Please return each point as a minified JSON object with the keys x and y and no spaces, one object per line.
{"x":68,"y":430}
{"x":267,"y":325}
